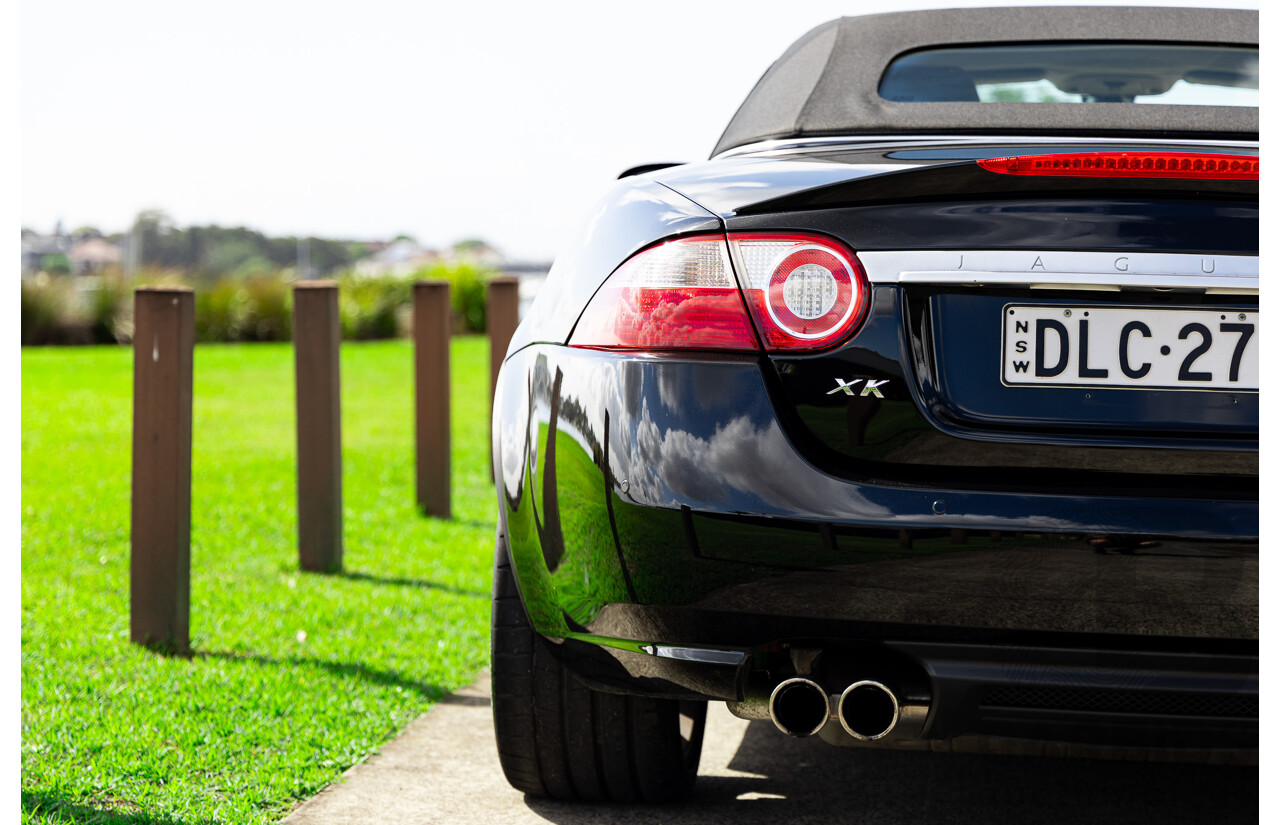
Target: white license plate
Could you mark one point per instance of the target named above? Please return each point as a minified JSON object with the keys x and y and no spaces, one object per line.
{"x":1130,"y":348}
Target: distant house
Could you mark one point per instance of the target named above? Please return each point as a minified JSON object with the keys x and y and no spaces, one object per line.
{"x":397,"y":258}
{"x":476,"y":252}
{"x":35,"y":248}
{"x":92,"y":255}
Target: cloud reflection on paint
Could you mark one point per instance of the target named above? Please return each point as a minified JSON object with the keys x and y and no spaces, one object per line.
{"x":672,"y":466}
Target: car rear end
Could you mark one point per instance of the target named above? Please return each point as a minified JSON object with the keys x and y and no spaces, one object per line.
{"x":924,"y":442}
{"x":1060,"y":371}
{"x":1062,"y":552}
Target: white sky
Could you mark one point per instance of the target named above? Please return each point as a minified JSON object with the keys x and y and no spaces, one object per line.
{"x":361,"y":120}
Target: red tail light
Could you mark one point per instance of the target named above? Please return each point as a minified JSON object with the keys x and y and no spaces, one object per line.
{"x":677,"y":295}
{"x":804,"y":291}
{"x":1184,"y":165}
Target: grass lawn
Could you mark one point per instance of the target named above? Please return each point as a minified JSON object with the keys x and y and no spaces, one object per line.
{"x":294,"y":677}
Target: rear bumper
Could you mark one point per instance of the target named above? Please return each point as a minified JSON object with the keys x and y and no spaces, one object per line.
{"x":1098,"y":697}
{"x":988,"y":696}
{"x":667,"y":533}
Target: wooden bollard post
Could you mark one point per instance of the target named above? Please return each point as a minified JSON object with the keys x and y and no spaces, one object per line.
{"x":160,"y":517}
{"x":502,"y":314}
{"x":432,"y":321}
{"x":317,"y":334}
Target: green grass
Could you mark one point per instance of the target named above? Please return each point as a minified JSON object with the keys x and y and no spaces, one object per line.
{"x":294,"y":676}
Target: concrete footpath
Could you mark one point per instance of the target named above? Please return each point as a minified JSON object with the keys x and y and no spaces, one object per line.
{"x":444,"y":769}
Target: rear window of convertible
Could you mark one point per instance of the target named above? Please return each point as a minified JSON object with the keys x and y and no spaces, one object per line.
{"x":1112,"y":72}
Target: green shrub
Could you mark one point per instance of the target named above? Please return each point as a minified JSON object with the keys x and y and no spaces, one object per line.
{"x":370,"y":306}
{"x":268,"y":310}
{"x":220,"y":311}
{"x":110,"y":309}
{"x":55,"y":263}
{"x":245,"y":309}
{"x":467,"y":292}
{"x":92,"y":309}
{"x":43,"y":311}
{"x":99,"y":309}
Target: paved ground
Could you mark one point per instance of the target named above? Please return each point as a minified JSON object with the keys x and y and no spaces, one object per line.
{"x":444,"y":769}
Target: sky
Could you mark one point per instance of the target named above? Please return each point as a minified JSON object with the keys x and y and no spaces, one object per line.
{"x":446,"y":121}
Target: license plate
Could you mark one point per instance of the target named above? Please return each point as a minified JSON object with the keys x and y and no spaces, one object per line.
{"x":1130,"y":348}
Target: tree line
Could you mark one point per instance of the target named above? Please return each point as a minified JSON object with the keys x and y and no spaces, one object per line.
{"x":216,"y":250}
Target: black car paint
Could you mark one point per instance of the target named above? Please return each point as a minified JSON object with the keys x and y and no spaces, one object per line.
{"x":946,"y":419}
{"x":710,"y":196}
{"x":635,"y":213}
{"x":701,"y":499}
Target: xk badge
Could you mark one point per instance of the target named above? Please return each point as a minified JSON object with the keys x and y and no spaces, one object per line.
{"x":869,"y":388}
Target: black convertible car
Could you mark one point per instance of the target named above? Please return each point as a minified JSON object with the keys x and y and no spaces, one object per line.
{"x":924,"y":414}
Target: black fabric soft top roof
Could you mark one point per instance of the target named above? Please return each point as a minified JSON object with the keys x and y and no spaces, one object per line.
{"x":826,"y":83}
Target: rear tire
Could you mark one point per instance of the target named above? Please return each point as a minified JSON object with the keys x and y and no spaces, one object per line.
{"x":558,"y":738}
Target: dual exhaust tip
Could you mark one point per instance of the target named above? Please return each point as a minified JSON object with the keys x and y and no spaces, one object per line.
{"x":868,"y":710}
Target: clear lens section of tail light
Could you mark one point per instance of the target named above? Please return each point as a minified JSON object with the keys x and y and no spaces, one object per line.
{"x":677,"y":295}
{"x":804,"y":291}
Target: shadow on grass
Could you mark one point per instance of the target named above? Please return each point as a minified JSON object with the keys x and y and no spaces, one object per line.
{"x":398,"y":581}
{"x":487,"y":525}
{"x":346,"y":670}
{"x":37,"y":803}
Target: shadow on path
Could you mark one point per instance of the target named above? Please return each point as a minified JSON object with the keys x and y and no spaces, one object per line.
{"x":807,"y":781}
{"x":461,"y":699}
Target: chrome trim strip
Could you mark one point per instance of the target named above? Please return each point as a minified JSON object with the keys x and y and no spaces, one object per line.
{"x":696,"y":654}
{"x":1076,"y":270}
{"x":797,"y":145}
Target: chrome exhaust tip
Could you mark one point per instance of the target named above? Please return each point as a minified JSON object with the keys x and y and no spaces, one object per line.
{"x":868,"y":710}
{"x":799,"y":707}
